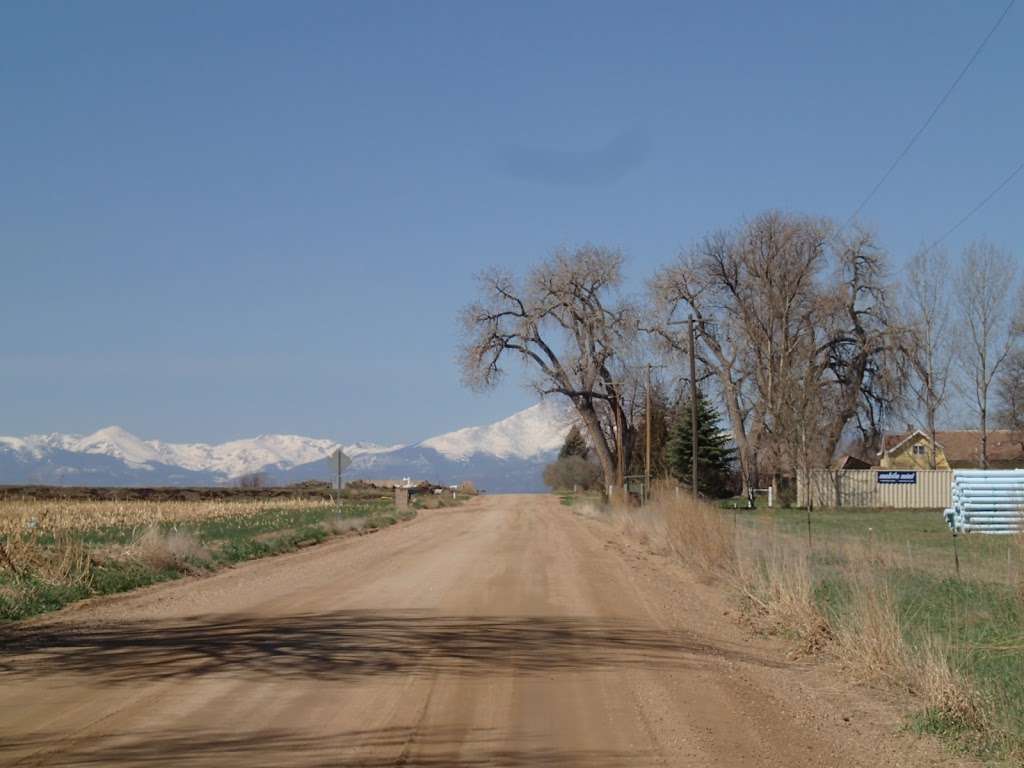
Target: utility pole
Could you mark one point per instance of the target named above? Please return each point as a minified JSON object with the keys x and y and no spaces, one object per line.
{"x":693,"y":409}
{"x":620,"y":447}
{"x":647,"y":454}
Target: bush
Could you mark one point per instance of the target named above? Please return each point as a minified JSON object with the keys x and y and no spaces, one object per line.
{"x":344,"y":525}
{"x":572,"y":472}
{"x":169,"y":550}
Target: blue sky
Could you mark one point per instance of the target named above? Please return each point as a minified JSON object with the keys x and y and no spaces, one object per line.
{"x":225,"y":219}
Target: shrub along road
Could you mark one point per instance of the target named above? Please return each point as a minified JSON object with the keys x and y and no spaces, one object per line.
{"x":508,"y":632}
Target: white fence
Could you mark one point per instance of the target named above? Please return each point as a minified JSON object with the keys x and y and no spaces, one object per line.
{"x":898,"y":488}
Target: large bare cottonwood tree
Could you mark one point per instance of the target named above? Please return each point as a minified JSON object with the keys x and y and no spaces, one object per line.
{"x":866,"y":372}
{"x":567,"y":322}
{"x":794,"y":325}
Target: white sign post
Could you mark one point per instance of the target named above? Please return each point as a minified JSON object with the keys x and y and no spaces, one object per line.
{"x":338,"y":462}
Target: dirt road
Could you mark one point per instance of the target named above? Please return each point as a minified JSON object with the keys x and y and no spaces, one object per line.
{"x":510,"y":632}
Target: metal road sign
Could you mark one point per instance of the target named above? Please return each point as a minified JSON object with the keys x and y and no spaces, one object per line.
{"x":338,"y":461}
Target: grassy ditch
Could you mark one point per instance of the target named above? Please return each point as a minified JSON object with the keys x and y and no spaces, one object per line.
{"x":570,"y":499}
{"x":43,"y":568}
{"x":877,"y":591}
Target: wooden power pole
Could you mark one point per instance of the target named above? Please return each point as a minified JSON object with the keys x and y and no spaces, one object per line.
{"x":693,"y":409}
{"x":620,"y":447}
{"x":647,"y":453}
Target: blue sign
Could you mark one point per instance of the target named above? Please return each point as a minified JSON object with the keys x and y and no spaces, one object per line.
{"x":896,"y":477}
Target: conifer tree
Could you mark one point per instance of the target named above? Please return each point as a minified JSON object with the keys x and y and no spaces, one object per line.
{"x":714,"y":456}
{"x":574,"y":444}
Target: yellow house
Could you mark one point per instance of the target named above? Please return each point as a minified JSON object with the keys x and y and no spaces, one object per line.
{"x":911,"y":451}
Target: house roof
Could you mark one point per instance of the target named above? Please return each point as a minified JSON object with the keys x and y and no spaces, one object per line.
{"x":891,"y":443}
{"x":846,"y":461}
{"x":964,"y":445}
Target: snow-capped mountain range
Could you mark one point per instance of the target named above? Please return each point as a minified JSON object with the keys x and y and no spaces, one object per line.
{"x":507,"y":455}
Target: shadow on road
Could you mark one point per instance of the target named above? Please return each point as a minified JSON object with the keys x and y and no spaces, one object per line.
{"x":434,"y":748}
{"x":348,"y":644}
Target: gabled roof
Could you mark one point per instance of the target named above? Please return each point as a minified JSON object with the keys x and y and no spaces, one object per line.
{"x":963,"y":446}
{"x":894,"y":442}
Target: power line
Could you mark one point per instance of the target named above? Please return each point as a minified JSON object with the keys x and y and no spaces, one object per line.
{"x":931,"y":116}
{"x":984,"y":201}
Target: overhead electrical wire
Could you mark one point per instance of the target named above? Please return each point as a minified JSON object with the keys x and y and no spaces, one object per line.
{"x":984,"y":201}
{"x":931,"y":116}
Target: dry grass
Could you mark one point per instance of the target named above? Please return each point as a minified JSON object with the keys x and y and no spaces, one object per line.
{"x":18,"y":515}
{"x":945,"y":692}
{"x":870,"y":639}
{"x":1017,"y":548}
{"x":346,"y":525}
{"x":644,"y":525}
{"x":774,"y":578}
{"x":590,"y":510}
{"x":66,"y":561}
{"x":770,"y":572}
{"x":677,"y":525}
{"x":165,"y":550}
{"x":698,"y":534}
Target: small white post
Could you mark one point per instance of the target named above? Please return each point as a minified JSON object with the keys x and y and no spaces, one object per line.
{"x":771,"y":495}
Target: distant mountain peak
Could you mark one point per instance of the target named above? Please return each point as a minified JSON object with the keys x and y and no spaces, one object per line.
{"x":113,"y":432}
{"x":535,"y":430}
{"x":117,"y":442}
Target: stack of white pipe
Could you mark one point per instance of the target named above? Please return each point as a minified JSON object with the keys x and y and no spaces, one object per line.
{"x":987,"y":501}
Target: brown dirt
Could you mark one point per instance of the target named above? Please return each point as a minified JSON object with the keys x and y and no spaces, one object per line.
{"x":507,"y":632}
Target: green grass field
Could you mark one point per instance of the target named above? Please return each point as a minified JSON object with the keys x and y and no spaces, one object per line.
{"x":919,"y":539}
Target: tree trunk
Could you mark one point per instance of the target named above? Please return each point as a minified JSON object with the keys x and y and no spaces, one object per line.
{"x":604,"y":454}
{"x":739,"y":432}
{"x":846,"y":405}
{"x":933,"y":463}
{"x":984,"y":436}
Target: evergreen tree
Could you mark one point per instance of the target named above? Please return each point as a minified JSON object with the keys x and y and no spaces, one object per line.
{"x":714,"y":456}
{"x":574,"y":445}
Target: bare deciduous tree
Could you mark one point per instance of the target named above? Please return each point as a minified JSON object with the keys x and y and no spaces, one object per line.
{"x":866,"y":377}
{"x":1010,"y":394}
{"x":928,"y":347}
{"x":794,"y":325}
{"x":566,"y":322}
{"x":984,"y":286}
